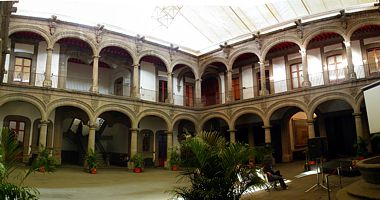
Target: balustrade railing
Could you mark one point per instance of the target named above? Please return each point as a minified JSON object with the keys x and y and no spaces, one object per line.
{"x":77,"y":83}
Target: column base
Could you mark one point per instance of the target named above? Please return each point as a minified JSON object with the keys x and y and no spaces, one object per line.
{"x":47,"y":83}
{"x":94,"y":89}
{"x":306,"y":84}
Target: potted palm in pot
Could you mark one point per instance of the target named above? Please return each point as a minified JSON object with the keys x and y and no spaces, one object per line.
{"x":91,"y":161}
{"x":45,"y":161}
{"x":175,"y":158}
{"x":138,"y":162}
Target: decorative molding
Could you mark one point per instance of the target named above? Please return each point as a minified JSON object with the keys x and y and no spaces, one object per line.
{"x":99,"y":31}
{"x":94,"y":104}
{"x":46,"y":98}
{"x":53,"y":24}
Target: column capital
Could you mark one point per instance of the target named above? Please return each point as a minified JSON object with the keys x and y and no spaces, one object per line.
{"x":92,"y":125}
{"x":49,"y":49}
{"x":134,"y":129}
{"x":347,"y":43}
{"x":96,"y":56}
{"x":302,"y":52}
{"x":44,"y":122}
{"x":266,"y":127}
{"x":357,"y":114}
{"x":169,"y":132}
{"x":231,"y":130}
{"x":135,"y":65}
{"x":310,"y":121}
{"x":229,"y":70}
{"x":170,"y":73}
{"x":198,"y":79}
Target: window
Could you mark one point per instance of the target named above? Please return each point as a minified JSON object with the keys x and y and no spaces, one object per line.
{"x":267,"y":81}
{"x":236,"y":88}
{"x":374,"y":60}
{"x":162,"y":90}
{"x":335,"y":67}
{"x":22,"y":70}
{"x":146,"y":141}
{"x":19,"y":129}
{"x":296,"y":75}
{"x":189,"y":95}
{"x":118,"y":87}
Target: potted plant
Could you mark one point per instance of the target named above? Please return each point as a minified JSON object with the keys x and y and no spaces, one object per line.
{"x":138,"y":162}
{"x":45,"y":161}
{"x":175,"y":158}
{"x":361,"y":148}
{"x":91,"y":161}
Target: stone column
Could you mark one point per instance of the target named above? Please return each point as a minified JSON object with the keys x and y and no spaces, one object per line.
{"x":134,"y":132}
{"x":229,"y":97}
{"x":310,"y":128}
{"x":350,"y":66}
{"x":47,"y":81}
{"x":358,"y":125}
{"x":91,"y":138}
{"x":263,"y":84}
{"x":305,"y":71}
{"x":136,"y":78}
{"x":43,"y":132}
{"x":95,"y":73}
{"x":268,"y":138}
{"x":169,"y":148}
{"x":170,"y":87}
{"x":198,"y":95}
{"x":232,"y":135}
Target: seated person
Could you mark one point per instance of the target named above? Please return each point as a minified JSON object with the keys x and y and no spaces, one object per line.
{"x":273,"y":175}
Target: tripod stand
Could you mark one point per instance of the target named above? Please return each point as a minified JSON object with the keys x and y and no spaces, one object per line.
{"x":318,"y":164}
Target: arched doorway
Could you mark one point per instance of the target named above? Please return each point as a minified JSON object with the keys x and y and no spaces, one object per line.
{"x":219,"y":125}
{"x":213,"y":84}
{"x":243,"y":85}
{"x":249,"y":130}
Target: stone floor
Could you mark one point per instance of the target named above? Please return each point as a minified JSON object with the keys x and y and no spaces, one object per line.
{"x":70,"y":182}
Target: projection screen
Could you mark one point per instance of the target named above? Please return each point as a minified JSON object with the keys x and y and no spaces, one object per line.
{"x":372,"y":103}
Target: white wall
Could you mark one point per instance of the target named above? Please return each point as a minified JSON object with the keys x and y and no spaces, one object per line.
{"x":333,"y":47}
{"x":79,"y":77}
{"x":104,"y":80}
{"x":178,"y":95}
{"x":357,"y":59}
{"x":24,"y":48}
{"x":41,"y":64}
{"x":371,"y":97}
{"x":314,"y":63}
{"x":247,"y":82}
{"x":5,"y":78}
{"x":148,"y":81}
{"x":222,"y":90}
{"x":279,"y":74}
{"x":119,"y":138}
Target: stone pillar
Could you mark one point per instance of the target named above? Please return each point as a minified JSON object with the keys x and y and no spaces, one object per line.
{"x":134,"y":132}
{"x":232,"y":135}
{"x":91,"y":138}
{"x":310,"y":128}
{"x":358,"y":125}
{"x":263,"y":84}
{"x":43,"y":133}
{"x":229,"y":86}
{"x":47,"y":81}
{"x":170,"y":87}
{"x":95,"y":73}
{"x":251,"y":138}
{"x":169,"y":148}
{"x":136,"y":78}
{"x":350,"y":66}
{"x":198,"y":94}
{"x":305,"y":71}
{"x":268,"y":138}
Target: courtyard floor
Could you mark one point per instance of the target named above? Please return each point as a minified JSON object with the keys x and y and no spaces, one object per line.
{"x":71,"y":182}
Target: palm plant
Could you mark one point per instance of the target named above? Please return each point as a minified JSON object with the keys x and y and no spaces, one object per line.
{"x":9,"y":149}
{"x":216,"y":168}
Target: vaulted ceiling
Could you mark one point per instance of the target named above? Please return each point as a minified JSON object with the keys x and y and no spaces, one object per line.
{"x":196,"y":26}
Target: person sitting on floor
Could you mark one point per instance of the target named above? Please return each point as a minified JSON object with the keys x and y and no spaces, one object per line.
{"x":273,"y":175}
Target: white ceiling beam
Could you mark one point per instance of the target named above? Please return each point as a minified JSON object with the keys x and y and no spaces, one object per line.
{"x":306,"y":6}
{"x":196,"y":28}
{"x":273,"y":12}
{"x":240,"y":19}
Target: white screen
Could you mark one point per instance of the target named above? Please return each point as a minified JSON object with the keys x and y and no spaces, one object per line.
{"x":372,"y":98}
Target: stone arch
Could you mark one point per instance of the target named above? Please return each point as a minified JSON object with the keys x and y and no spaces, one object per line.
{"x":217,"y":59}
{"x":184,"y":62}
{"x":184,"y":117}
{"x":316,"y":31}
{"x":363,"y":22}
{"x":120,"y":44}
{"x":273,"y":42}
{"x":214,"y":115}
{"x":74,"y":103}
{"x":153,"y":112}
{"x":359,"y":101}
{"x":156,"y":54}
{"x":26,"y":98}
{"x":285,"y":103}
{"x":29,"y":28}
{"x":243,"y":111}
{"x":115,"y":107}
{"x":77,"y":35}
{"x":240,"y":52}
{"x":329,"y":96}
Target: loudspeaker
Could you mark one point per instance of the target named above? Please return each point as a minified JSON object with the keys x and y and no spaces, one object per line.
{"x":317,"y":147}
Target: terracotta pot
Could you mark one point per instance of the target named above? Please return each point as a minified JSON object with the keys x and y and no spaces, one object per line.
{"x":93,"y":170}
{"x":41,"y":169}
{"x":174,"y":168}
{"x":137,"y":170}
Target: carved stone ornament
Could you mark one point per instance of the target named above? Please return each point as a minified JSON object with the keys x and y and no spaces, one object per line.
{"x":171,"y":113}
{"x":353,"y":91}
{"x":306,"y":98}
{"x":264,"y":106}
{"x":226,"y":49}
{"x":94,"y":104}
{"x":136,"y":108}
{"x":139,"y":43}
{"x":99,"y":33}
{"x":229,"y":112}
{"x":52,"y":24}
{"x":46,"y":98}
{"x":299,"y":28}
{"x":257,"y":39}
